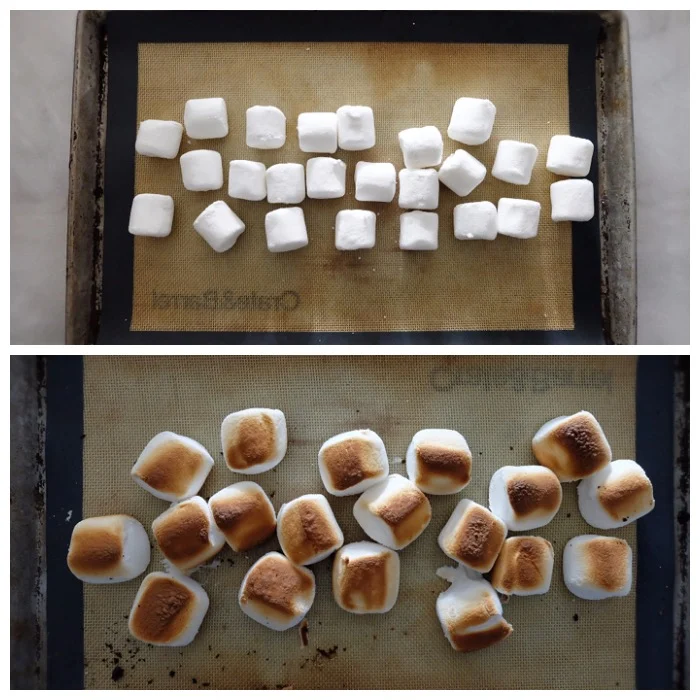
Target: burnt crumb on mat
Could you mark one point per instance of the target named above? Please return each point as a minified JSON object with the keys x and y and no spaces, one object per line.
{"x":575,"y":617}
{"x":328,"y":653}
{"x":117,"y":673}
{"x":194,"y":681}
{"x":172,"y":674}
{"x":304,"y":633}
{"x":149,"y":681}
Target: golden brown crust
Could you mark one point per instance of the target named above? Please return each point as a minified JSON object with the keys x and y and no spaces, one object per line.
{"x":351,"y":461}
{"x":473,"y":641}
{"x":626,"y":497}
{"x":170,"y":467}
{"x":518,"y":566}
{"x":447,"y":462}
{"x":275,"y":583}
{"x":306,"y":531}
{"x":96,"y":551}
{"x":407,"y":512}
{"x":606,"y":562}
{"x":184,"y":534}
{"x":479,"y":538}
{"x":365,"y":578}
{"x":163,"y":611}
{"x":586,"y":450}
{"x":534,"y":493}
{"x":246,"y":519}
{"x":252,"y":442}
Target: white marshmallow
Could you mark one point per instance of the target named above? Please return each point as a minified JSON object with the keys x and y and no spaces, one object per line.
{"x":245,"y":515}
{"x":158,"y":138}
{"x":473,"y":536}
{"x":524,"y":566}
{"x":418,"y":189}
{"x":265,"y":127}
{"x":285,"y":229}
{"x":172,"y":467}
{"x":470,"y":611}
{"x":597,"y":567}
{"x":285,"y":183}
{"x":325,"y":178}
{"x":277,"y":606}
{"x":462,"y":173}
{"x":219,"y":226}
{"x":570,"y":156}
{"x":615,"y":496}
{"x":351,"y":462}
{"x":375,"y":182}
{"x":307,"y":529}
{"x":421,"y":146}
{"x":355,"y":128}
{"x":187,"y":534}
{"x":439,"y":461}
{"x":518,"y":218}
{"x":418,"y":231}
{"x":151,"y":215}
{"x":355,"y":229}
{"x":202,"y":170}
{"x":525,"y":498}
{"x":394,"y":512}
{"x":246,"y":180}
{"x":318,"y":132}
{"x":254,"y":440}
{"x":108,"y":549}
{"x":572,"y":200}
{"x":475,"y":220}
{"x":514,"y":162}
{"x":168,"y":610}
{"x":366,"y":578}
{"x":206,"y":119}
{"x":472,"y":121}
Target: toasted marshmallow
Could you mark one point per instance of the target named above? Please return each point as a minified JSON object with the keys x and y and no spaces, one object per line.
{"x":524,"y":566}
{"x":470,"y":611}
{"x":366,"y":578}
{"x":187,"y":534}
{"x":597,"y":567}
{"x":573,"y":447}
{"x":525,"y":497}
{"x":254,"y":440}
{"x":394,"y":512}
{"x":615,"y":496}
{"x":244,"y":514}
{"x":172,"y":467}
{"x":473,"y":536}
{"x":108,"y":549}
{"x":277,"y":593}
{"x":168,"y":610}
{"x":439,"y":461}
{"x":352,"y":462}
{"x":307,"y":529}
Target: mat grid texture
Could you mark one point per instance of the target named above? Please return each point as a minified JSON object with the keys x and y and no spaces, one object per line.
{"x":498,"y":403}
{"x":180,"y":283}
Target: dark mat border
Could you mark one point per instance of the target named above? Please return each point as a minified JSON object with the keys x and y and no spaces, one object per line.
{"x":64,"y":492}
{"x":656,"y":550}
{"x":125,"y":29}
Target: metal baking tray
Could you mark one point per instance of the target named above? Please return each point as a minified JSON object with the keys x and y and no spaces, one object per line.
{"x":30,"y":537}
{"x":617,"y":203}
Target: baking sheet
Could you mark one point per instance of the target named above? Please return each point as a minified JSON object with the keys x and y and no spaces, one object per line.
{"x":167,"y":298}
{"x":497,"y":403}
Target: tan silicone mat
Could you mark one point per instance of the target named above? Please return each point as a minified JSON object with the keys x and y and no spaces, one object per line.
{"x":497,"y":403}
{"x":180,"y":283}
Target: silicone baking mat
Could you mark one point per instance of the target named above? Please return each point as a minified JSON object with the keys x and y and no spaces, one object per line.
{"x":179,"y":286}
{"x":498,"y":403}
